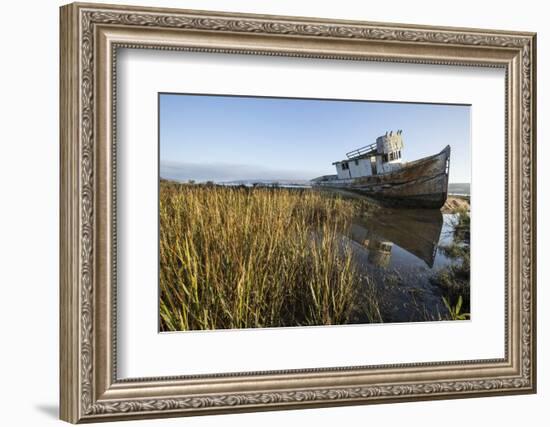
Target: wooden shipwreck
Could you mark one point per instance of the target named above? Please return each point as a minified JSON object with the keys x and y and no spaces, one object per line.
{"x":377,"y":171}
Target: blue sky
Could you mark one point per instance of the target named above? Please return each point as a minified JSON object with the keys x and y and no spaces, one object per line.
{"x":228,"y":138}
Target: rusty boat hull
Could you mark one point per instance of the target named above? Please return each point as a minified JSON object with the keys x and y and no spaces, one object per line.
{"x":422,"y":183}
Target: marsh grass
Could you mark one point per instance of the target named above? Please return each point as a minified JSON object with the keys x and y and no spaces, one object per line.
{"x":254,"y":257}
{"x":454,"y":281}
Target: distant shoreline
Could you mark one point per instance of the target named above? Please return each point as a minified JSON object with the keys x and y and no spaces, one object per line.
{"x":462,"y":189}
{"x":455,"y":189}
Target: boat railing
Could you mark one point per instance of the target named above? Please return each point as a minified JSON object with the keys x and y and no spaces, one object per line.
{"x":371,"y":148}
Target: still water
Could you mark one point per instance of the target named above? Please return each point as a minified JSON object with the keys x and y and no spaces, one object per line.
{"x":402,"y":252}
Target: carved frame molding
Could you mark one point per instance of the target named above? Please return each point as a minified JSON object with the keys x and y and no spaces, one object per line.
{"x":90,"y":36}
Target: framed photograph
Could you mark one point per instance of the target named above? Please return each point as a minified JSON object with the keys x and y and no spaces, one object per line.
{"x":266,"y":212}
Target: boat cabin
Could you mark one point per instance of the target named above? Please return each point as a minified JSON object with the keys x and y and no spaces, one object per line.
{"x":380,"y":157}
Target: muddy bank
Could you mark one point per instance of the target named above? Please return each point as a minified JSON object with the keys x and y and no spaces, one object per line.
{"x":455,"y":204}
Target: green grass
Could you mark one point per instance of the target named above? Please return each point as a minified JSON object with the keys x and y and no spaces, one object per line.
{"x":246,"y":258}
{"x":454,"y":312}
{"x":462,"y":226}
{"x":454,"y":281}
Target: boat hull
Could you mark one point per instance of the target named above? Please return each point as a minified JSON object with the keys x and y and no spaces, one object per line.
{"x":422,"y":183}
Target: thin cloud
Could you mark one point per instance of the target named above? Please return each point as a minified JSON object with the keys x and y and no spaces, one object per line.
{"x":222,"y":172}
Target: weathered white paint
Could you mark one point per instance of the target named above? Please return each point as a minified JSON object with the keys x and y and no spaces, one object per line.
{"x":354,"y":168}
{"x":360,"y":167}
{"x":342,"y":173}
{"x":384,"y":167}
{"x":389,"y":142}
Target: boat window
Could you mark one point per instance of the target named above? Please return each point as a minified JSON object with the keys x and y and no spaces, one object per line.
{"x":345,"y":166}
{"x":356,"y":162}
{"x":385,"y":158}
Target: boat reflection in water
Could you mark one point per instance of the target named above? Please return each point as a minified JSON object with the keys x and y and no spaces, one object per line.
{"x":400,"y":251}
{"x":379,"y":252}
{"x":415,"y":231}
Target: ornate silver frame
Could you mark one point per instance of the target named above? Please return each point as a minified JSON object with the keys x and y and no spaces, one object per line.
{"x":90,"y":36}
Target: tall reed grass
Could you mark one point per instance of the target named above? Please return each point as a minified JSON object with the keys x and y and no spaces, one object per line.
{"x":454,"y":280}
{"x":254,"y":257}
